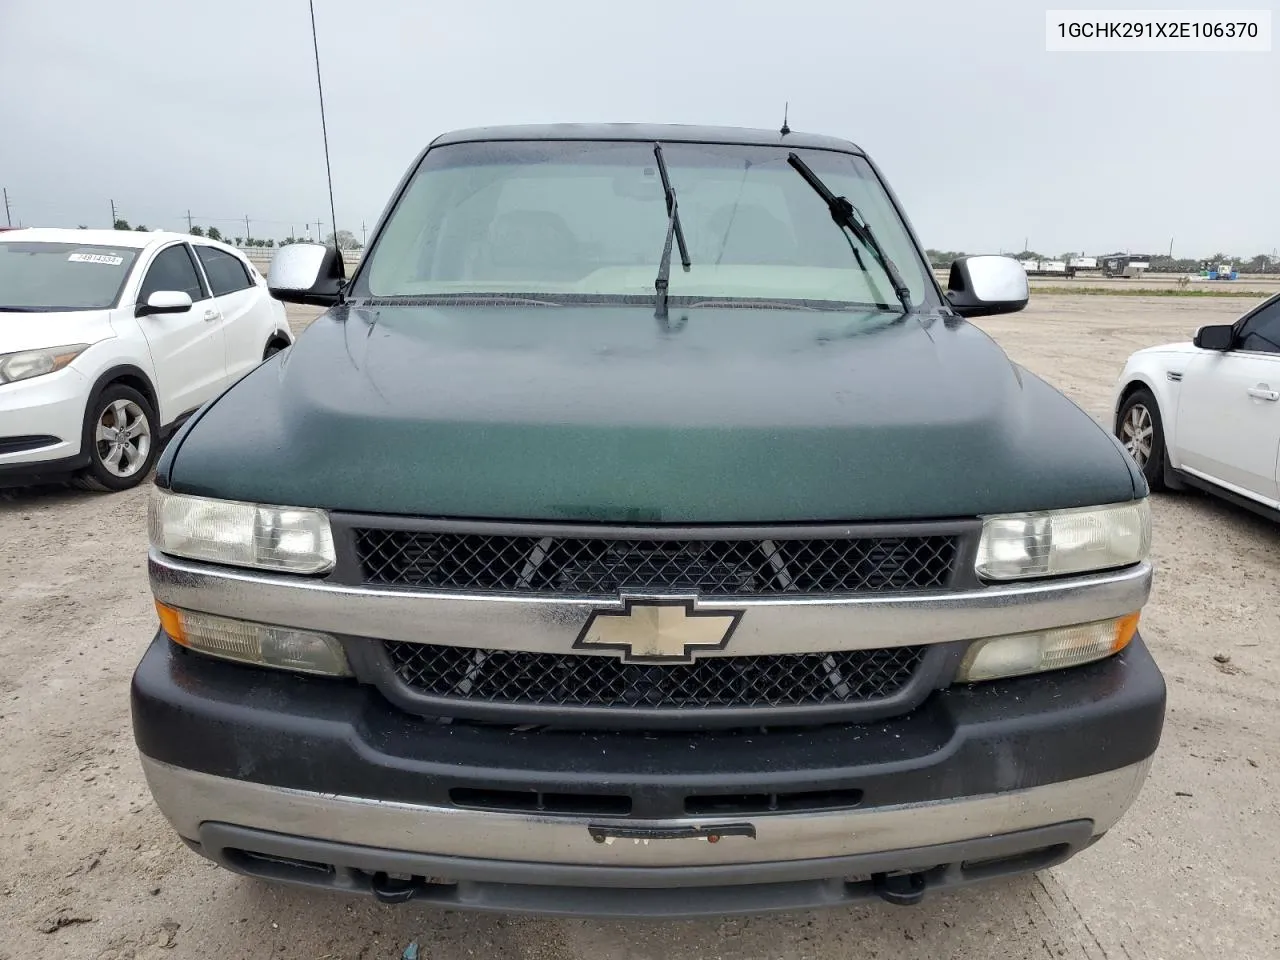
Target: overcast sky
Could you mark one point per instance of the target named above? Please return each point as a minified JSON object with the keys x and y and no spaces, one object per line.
{"x":167,"y":105}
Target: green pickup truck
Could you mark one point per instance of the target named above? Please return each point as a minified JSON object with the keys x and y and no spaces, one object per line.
{"x":644,"y":531}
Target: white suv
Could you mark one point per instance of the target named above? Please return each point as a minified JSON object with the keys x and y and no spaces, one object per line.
{"x":109,"y":339}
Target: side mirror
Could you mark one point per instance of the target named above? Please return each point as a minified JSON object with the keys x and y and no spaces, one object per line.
{"x":307,"y":273}
{"x":164,"y":301}
{"x":1220,"y":336}
{"x":986,"y":285}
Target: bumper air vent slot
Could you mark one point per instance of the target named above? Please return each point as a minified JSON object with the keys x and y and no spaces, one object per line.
{"x":715,"y":804}
{"x":23,"y":444}
{"x":531,"y":801}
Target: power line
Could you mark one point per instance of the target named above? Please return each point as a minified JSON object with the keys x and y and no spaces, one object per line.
{"x":323,"y":128}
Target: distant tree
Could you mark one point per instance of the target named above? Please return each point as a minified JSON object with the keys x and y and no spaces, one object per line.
{"x":197,"y":231}
{"x":214,"y":234}
{"x":942,"y":258}
{"x":238,"y":241}
{"x":123,"y":225}
{"x":271,"y":243}
{"x":142,"y":228}
{"x":1163,"y":263}
{"x":82,"y":227}
{"x":345,"y":240}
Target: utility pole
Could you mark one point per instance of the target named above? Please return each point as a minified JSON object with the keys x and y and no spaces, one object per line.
{"x":1171,"y":248}
{"x":320,"y":232}
{"x":113,"y":214}
{"x":7,"y":215}
{"x":364,"y":235}
{"x":188,"y":221}
{"x":246,"y":230}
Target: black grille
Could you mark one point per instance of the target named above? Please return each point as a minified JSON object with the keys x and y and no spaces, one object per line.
{"x":573,"y":680}
{"x":601,"y":566}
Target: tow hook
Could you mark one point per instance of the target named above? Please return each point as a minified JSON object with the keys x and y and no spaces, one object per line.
{"x":387,"y":890}
{"x":901,"y":889}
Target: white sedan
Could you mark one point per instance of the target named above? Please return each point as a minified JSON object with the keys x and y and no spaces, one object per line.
{"x":1206,"y":413}
{"x":109,"y":339}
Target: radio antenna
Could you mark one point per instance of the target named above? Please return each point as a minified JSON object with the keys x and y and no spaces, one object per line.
{"x":785,"y":110}
{"x":324,"y":130}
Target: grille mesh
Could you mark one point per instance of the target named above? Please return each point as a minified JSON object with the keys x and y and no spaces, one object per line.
{"x":847,"y":677}
{"x":598,"y":566}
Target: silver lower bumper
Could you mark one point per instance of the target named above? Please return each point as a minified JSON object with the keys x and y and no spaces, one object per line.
{"x":191,"y":800}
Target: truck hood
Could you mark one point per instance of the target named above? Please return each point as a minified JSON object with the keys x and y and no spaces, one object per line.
{"x":602,"y":414}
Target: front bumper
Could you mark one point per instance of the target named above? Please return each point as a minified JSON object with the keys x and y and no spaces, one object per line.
{"x":324,"y":783}
{"x":50,"y":407}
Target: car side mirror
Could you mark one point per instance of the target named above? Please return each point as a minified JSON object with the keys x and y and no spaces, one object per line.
{"x":1219,"y":336}
{"x":307,"y":273}
{"x":164,"y":301}
{"x":985,"y":285}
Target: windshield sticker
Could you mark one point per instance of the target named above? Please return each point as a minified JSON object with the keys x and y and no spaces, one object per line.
{"x":95,"y":258}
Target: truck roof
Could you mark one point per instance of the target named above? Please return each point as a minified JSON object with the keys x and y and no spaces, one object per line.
{"x":647,"y":132}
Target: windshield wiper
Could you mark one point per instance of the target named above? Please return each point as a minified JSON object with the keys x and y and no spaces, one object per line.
{"x":846,"y":215}
{"x":673,"y":229}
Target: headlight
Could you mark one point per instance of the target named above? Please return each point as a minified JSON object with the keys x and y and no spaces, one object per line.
{"x":1023,"y":653}
{"x":288,"y":539}
{"x":35,"y":363}
{"x":260,"y":644}
{"x":1019,"y":545}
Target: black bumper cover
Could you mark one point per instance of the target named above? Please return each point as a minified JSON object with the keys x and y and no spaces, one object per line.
{"x":41,"y":471}
{"x":331,"y":736}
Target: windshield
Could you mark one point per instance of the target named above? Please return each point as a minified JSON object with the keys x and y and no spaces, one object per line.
{"x":42,"y":276}
{"x":589,"y":218}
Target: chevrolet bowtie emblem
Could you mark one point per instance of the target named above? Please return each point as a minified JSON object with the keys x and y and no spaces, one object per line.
{"x":658,"y":630}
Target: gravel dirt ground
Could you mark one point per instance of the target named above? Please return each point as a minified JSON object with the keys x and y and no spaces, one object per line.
{"x":92,"y":871}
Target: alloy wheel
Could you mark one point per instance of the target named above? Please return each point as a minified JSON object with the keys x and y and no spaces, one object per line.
{"x":123,"y":438}
{"x":1137,"y":433}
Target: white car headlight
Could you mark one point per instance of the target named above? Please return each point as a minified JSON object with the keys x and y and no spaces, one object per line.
{"x":36,"y":363}
{"x":287,"y":539}
{"x":1019,"y":545}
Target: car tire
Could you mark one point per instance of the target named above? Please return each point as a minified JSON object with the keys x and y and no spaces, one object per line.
{"x":273,"y":348}
{"x":1141,"y":432}
{"x":122,"y":437}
